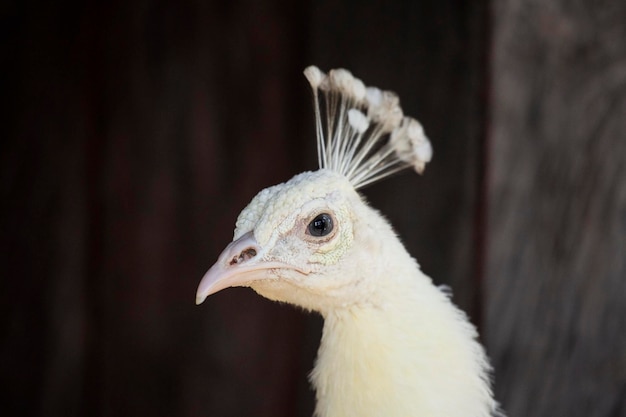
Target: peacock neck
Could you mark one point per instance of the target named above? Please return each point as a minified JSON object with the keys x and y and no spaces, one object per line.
{"x":417,"y":357}
{"x":354,"y":375}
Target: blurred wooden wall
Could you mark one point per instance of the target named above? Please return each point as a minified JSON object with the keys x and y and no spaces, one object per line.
{"x":556,"y":270}
{"x":136,"y":131}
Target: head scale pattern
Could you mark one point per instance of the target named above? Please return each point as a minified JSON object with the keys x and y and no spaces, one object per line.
{"x":362,"y":132}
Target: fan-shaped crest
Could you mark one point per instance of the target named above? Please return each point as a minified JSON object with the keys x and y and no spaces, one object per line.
{"x":362,"y":132}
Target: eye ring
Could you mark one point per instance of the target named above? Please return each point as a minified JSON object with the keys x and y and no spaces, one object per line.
{"x":321,"y":225}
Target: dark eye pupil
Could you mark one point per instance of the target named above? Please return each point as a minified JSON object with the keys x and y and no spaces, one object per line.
{"x":321,"y":225}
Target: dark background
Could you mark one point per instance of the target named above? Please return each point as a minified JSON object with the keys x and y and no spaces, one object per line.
{"x":134,"y":132}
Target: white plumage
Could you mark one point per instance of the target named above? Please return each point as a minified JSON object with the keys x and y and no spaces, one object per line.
{"x":393,"y":344}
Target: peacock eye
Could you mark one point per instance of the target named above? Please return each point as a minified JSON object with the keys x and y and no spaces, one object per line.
{"x":321,"y":225}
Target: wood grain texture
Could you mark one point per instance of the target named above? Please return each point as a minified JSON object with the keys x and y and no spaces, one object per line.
{"x":133,"y":140}
{"x":556,"y":298}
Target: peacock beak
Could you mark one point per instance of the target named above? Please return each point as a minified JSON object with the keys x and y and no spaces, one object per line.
{"x":237,"y":266}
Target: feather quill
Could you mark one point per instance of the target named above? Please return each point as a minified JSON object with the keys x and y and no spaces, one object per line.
{"x":361,"y":131}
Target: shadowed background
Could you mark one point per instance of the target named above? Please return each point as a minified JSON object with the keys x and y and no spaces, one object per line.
{"x":134,"y":132}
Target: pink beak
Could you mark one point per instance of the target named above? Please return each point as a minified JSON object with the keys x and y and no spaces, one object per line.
{"x":237,"y":266}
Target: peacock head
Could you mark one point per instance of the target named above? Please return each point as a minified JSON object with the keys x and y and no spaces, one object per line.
{"x":295,"y":242}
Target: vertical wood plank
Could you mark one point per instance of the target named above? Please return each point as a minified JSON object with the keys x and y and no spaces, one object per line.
{"x":137,"y":132}
{"x":557,"y":211}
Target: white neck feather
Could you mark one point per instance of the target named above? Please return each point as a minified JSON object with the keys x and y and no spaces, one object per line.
{"x":416,"y":357}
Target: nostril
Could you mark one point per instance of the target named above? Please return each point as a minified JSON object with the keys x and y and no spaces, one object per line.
{"x":248,"y":253}
{"x":245,"y":255}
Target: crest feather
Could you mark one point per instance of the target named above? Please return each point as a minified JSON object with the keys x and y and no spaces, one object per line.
{"x":361,"y":131}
